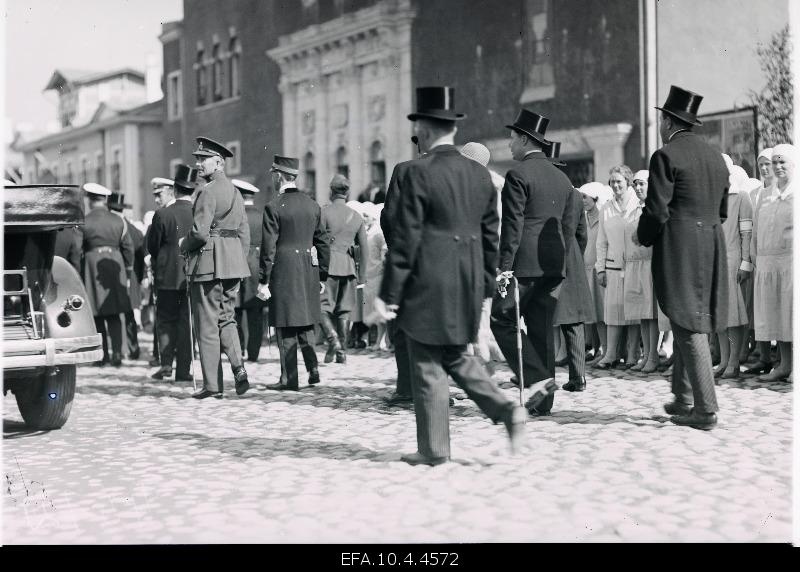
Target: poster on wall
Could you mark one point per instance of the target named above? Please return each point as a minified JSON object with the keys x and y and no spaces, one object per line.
{"x":734,"y":133}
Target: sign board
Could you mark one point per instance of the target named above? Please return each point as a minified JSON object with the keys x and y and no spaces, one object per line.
{"x":734,"y":133}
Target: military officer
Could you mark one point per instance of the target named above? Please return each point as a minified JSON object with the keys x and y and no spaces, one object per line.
{"x":346,"y":229}
{"x":438,"y":274}
{"x":163,"y":194}
{"x":292,"y":225}
{"x":117,"y":205}
{"x":216,"y":247}
{"x":170,"y":224}
{"x":248,"y":300}
{"x":108,"y":269}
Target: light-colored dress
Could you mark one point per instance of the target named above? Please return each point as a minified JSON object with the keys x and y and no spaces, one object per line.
{"x":739,"y":221}
{"x":611,"y":256}
{"x":639,"y":292}
{"x":376,"y":259}
{"x":598,"y":292}
{"x":773,"y":275}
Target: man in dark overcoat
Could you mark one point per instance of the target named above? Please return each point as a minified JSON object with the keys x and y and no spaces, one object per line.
{"x":163,"y":194}
{"x":107,"y":270}
{"x":438,"y":273}
{"x":69,"y":246}
{"x":292,"y":225}
{"x":345,"y":228}
{"x":217,"y":249}
{"x":249,"y":306}
{"x":117,"y":206}
{"x":535,"y":201}
{"x":682,"y":220}
{"x":170,"y":224}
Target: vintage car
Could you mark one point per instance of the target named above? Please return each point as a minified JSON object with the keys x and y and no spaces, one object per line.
{"x":48,"y":327}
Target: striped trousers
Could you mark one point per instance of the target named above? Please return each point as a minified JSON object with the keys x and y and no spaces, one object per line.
{"x":430,"y":366}
{"x":576,"y":351}
{"x":692,"y":373}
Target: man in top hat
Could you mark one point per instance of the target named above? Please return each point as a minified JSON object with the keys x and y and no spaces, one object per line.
{"x":536,"y":205}
{"x":216,"y":248}
{"x":171,"y":224}
{"x":292,"y":225}
{"x":346,"y":229}
{"x":438,"y":272}
{"x":108,"y":269}
{"x":117,"y":204}
{"x":249,"y":301}
{"x":682,"y":220}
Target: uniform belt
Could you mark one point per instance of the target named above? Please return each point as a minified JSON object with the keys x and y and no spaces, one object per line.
{"x":224,"y":232}
{"x":104,"y":249}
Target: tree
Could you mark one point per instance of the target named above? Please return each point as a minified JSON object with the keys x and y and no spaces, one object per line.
{"x":775,"y":102}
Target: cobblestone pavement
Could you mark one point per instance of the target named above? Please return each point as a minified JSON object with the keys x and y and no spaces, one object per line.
{"x":140,"y":462}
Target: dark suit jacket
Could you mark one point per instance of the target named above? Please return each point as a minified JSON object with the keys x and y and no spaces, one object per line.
{"x":69,"y":245}
{"x":346,"y":228}
{"x":255,"y":220}
{"x":534,"y":201}
{"x":218,"y":207}
{"x":292,"y":224}
{"x":574,"y":299}
{"x":682,"y":220}
{"x":443,"y":251}
{"x":169,"y":225}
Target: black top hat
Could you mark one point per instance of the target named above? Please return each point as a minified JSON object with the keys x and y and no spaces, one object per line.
{"x":185,"y":177}
{"x":117,"y":203}
{"x":436,"y":103}
{"x":288,"y":165}
{"x":531,"y":124}
{"x":209,"y":148}
{"x":552,"y":152}
{"x":683,"y":104}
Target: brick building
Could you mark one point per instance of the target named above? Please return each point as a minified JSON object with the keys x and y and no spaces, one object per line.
{"x":331,"y":81}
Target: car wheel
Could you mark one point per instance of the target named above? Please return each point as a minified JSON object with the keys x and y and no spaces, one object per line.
{"x":45,"y":402}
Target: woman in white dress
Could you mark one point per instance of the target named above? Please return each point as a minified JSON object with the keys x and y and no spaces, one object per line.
{"x":594,"y":196}
{"x":611,"y":265}
{"x":375,"y":262}
{"x":773,"y":248}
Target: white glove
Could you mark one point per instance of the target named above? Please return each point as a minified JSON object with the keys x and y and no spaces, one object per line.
{"x":503,"y":280}
{"x":383,"y":313}
{"x":263,"y":292}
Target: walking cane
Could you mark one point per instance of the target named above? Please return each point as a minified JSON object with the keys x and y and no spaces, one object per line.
{"x":191,"y":321}
{"x":519,"y":341}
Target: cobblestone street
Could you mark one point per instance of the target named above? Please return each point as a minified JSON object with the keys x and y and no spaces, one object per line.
{"x":139,"y":461}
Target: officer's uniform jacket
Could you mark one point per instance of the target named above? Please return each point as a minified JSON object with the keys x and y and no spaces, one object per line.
{"x":346,"y":228}
{"x":108,"y":262}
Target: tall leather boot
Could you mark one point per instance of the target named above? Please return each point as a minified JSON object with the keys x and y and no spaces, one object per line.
{"x":343,"y":326}
{"x":332,"y":338}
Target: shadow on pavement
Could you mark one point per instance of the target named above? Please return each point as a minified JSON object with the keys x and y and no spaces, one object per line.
{"x":17,"y":429}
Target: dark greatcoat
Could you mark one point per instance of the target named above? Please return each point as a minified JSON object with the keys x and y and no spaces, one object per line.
{"x":137,"y":238}
{"x":218,"y":207}
{"x":69,"y":246}
{"x":105,"y":274}
{"x":169,"y":225}
{"x":443,"y":252}
{"x":682,"y":220}
{"x":575,"y":304}
{"x":249,"y":289}
{"x":292,"y":224}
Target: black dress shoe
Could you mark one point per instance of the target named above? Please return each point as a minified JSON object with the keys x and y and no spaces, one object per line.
{"x":420,"y":459}
{"x":313,"y":377}
{"x":515,"y":381}
{"x":163,"y":373}
{"x":281,"y":387}
{"x":116,"y":360}
{"x":341,"y":356}
{"x":155,"y":362}
{"x":397,"y":398}
{"x":187,"y":377}
{"x":204,"y":393}
{"x":240,"y":375}
{"x":759,"y":368}
{"x":533,"y":412}
{"x":134,"y":354}
{"x":575,"y":385}
{"x":695,"y":420}
{"x":677,"y":408}
{"x":541,"y":391}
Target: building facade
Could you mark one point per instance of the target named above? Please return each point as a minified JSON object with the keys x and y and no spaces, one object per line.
{"x":331,"y":81}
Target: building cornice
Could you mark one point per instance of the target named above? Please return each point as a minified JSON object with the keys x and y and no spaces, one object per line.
{"x":70,"y":134}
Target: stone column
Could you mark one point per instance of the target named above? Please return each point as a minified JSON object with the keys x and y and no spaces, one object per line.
{"x":608,"y":144}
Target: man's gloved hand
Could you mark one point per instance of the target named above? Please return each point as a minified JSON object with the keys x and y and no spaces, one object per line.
{"x":263,"y":292}
{"x":383,"y":312}
{"x":503,"y":280}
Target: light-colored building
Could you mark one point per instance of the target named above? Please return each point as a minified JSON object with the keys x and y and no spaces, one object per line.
{"x":109,"y":136}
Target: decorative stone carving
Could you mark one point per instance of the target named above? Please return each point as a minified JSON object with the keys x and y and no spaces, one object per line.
{"x":308,"y":122}
{"x":376,"y":108}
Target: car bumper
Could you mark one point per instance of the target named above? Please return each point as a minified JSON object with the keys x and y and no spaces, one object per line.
{"x":52,"y":351}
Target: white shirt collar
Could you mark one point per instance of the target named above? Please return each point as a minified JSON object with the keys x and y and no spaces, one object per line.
{"x":289,"y":185}
{"x":787,"y":193}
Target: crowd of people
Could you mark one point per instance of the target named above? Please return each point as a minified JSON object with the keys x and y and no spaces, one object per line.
{"x":691,"y":254}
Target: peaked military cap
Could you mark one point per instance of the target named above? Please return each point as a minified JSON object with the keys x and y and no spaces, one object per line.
{"x":209,"y":148}
{"x":244,"y":186}
{"x":97,"y":190}
{"x":158,"y":183}
{"x":288,"y":165}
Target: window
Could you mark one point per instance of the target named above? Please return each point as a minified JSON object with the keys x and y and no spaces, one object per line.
{"x":116,"y":168}
{"x":85,"y":169}
{"x":377,"y":165}
{"x":538,"y":68}
{"x":174,"y":96}
{"x":310,"y":174}
{"x":233,"y":165}
{"x":233,"y":76}
{"x":341,"y":162}
{"x":68,"y":173}
{"x":202,"y":78}
{"x":100,"y":170}
{"x":216,"y":72}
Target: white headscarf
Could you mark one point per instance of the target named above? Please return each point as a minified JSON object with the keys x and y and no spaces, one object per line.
{"x":786,"y":151}
{"x":642,"y":175}
{"x":766,"y":153}
{"x":737,"y":179}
